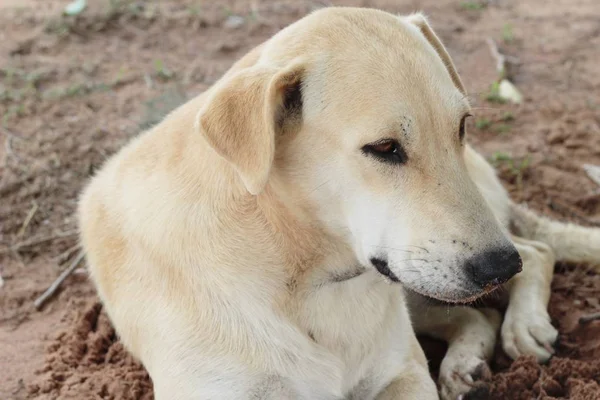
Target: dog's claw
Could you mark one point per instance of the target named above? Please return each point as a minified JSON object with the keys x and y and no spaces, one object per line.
{"x":528,"y":332}
{"x":463,"y":380}
{"x":549,"y":348}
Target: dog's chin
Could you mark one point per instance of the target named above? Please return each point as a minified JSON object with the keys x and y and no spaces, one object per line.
{"x":453,"y":297}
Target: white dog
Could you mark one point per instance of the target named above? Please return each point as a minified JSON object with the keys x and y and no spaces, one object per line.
{"x":249,"y":246}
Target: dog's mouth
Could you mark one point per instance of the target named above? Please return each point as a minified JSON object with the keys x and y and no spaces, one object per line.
{"x":457,"y":300}
{"x":381,"y":265}
{"x":383,"y":268}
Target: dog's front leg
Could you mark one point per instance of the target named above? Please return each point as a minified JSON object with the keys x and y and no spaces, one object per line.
{"x":527,"y":329}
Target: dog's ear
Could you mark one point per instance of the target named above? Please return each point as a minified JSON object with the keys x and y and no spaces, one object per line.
{"x":244,"y":113}
{"x":420,"y":21}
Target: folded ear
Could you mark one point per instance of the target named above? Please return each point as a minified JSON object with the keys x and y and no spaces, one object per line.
{"x":420,"y":21}
{"x":244,"y":113}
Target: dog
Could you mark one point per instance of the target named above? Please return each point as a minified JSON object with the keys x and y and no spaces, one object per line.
{"x":259,"y":242}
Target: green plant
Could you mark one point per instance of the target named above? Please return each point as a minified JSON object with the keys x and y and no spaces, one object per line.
{"x":499,"y":158}
{"x":507,"y":33}
{"x":76,"y":89}
{"x":516,"y":168}
{"x":508,"y":116}
{"x":472,"y":5}
{"x":15,"y":110}
{"x":493,"y":94}
{"x":194,"y":9}
{"x":60,"y":26}
{"x":9,"y":75}
{"x":502,"y":128}
{"x":162,"y":71}
{"x":228,"y":12}
{"x":482,"y":123}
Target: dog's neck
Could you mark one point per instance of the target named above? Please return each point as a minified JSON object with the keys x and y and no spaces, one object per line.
{"x":307,"y":244}
{"x":297,"y":239}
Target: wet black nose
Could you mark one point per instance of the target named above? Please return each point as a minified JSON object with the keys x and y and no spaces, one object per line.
{"x":494,"y":267}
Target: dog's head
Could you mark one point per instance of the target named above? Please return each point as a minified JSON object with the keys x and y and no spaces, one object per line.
{"x":360,"y":116}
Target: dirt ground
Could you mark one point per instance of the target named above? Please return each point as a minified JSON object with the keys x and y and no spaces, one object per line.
{"x":74,"y":89}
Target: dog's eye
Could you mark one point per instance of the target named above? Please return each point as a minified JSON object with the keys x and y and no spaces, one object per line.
{"x":461,"y":128}
{"x":387,"y":150}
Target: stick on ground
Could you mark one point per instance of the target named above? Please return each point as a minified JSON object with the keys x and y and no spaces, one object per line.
{"x":37,"y":240}
{"x":589,"y":318}
{"x":593,"y":171}
{"x":65,"y":255}
{"x":39,"y":302}
{"x":30,"y":215}
{"x":499,"y":57}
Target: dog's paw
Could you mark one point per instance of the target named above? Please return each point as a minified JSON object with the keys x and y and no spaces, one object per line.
{"x":464,"y":370}
{"x":464,"y":378}
{"x":527,"y":331}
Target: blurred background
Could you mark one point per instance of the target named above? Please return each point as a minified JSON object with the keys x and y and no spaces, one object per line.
{"x":78,"y":79}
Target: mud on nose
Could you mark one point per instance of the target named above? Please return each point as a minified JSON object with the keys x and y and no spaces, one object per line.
{"x":494,"y":267}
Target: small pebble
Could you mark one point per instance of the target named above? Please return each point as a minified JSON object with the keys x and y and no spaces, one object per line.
{"x":234,"y":22}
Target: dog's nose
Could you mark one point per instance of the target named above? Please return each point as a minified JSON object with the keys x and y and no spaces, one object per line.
{"x":494,"y":267}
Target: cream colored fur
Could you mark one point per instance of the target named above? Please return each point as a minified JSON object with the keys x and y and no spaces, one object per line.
{"x":235,"y":245}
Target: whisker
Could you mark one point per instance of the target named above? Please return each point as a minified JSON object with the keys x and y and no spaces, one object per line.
{"x":320,"y":186}
{"x":418,"y":247}
{"x":389,"y":248}
{"x":486,"y":108}
{"x":397,"y":249}
{"x":414,"y":259}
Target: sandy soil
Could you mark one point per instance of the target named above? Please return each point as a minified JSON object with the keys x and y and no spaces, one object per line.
{"x":73,"y":90}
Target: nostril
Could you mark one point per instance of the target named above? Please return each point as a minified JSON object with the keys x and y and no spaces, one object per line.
{"x":494,"y":267}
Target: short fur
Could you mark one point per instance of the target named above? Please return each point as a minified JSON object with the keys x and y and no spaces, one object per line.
{"x":232,"y":243}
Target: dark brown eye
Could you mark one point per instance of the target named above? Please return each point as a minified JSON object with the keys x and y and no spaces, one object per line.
{"x":385,"y":147}
{"x":388,"y":150}
{"x":461,"y":128}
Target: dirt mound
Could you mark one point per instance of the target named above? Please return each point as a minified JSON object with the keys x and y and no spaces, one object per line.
{"x":88,"y":362}
{"x":562,"y":378}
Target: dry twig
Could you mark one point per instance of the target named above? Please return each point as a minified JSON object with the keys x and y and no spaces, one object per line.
{"x":62,"y":257}
{"x":10,"y":133}
{"x":9,"y":150}
{"x":28,"y":218}
{"x":8,"y":144}
{"x":499,"y":57}
{"x":39,"y":302}
{"x":33,"y":241}
{"x":593,"y":171}
{"x":589,"y":318}
{"x":502,"y":60}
